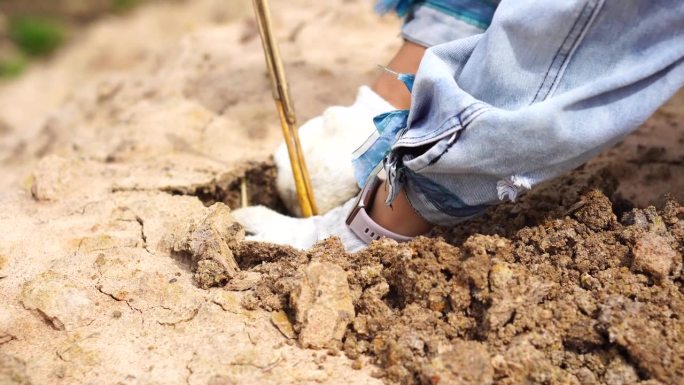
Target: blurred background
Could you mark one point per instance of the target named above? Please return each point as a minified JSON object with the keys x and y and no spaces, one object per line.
{"x":128,"y":82}
{"x":31,"y":30}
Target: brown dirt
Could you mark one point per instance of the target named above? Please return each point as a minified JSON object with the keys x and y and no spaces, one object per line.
{"x":553,"y":290}
{"x":260,"y":185}
{"x":119,"y":154}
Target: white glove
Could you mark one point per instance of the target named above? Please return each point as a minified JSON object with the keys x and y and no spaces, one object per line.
{"x":328,"y":142}
{"x":265,"y":225}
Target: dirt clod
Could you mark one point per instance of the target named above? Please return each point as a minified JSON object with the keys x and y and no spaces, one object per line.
{"x":322,"y":304}
{"x":280,"y":320}
{"x":467,"y":362}
{"x":209,"y":247}
{"x":653,"y":255}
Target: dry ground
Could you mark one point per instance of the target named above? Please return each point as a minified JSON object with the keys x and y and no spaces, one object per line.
{"x":112,"y":153}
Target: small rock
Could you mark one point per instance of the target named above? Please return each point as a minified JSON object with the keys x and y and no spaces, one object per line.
{"x":52,"y":178}
{"x":512,"y":291}
{"x":649,"y":344}
{"x":620,"y":372}
{"x":523,"y":362}
{"x":586,"y":377}
{"x":228,"y":301}
{"x":588,"y":282}
{"x":500,"y":275}
{"x":582,"y":335}
{"x":653,"y":255}
{"x":584,"y":301}
{"x":244,"y":280}
{"x":467,"y":362}
{"x":281,"y":321}
{"x":357,"y":364}
{"x":596,"y":211}
{"x":209,"y":246}
{"x":209,"y":273}
{"x":656,"y":223}
{"x":322,"y":304}
{"x":636,"y":218}
{"x":63,"y":304}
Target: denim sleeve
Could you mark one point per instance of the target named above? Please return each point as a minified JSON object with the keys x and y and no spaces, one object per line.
{"x":432,"y":22}
{"x":543,"y":90}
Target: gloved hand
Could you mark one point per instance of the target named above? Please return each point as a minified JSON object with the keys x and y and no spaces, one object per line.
{"x":327,"y":143}
{"x":266,"y":225}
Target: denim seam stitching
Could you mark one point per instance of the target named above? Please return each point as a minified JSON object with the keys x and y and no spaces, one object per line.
{"x":594,"y":6}
{"x":566,"y":48}
{"x":464,"y":114}
{"x":558,"y":52}
{"x":463,"y":125}
{"x":447,"y":122}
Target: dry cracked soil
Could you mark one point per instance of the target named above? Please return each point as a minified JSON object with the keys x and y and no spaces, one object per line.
{"x":120,"y":263}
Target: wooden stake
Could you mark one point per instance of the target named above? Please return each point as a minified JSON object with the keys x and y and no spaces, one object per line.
{"x":288,"y":121}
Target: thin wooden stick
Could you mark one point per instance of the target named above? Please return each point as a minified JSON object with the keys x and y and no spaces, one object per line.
{"x":288,"y":121}
{"x":244,"y":198}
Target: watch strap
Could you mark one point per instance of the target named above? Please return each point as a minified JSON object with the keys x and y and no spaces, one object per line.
{"x":363,"y":226}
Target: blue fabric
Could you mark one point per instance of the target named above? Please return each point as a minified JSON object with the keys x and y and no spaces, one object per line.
{"x":546,"y":87}
{"x":401,"y":7}
{"x":444,"y":200}
{"x":476,"y":12}
{"x":388,"y":126}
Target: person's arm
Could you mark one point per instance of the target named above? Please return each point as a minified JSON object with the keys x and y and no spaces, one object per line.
{"x":427,"y":25}
{"x":542,"y":91}
{"x":400,"y":217}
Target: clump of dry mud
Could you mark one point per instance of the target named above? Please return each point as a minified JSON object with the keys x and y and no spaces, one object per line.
{"x":556,"y":289}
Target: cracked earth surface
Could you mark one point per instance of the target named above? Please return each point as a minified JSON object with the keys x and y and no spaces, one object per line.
{"x":121,"y":157}
{"x":114,"y":150}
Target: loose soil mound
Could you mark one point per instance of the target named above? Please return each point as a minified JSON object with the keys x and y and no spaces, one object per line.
{"x":560,"y":292}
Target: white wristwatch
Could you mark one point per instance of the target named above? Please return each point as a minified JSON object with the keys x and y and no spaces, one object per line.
{"x":361,"y":224}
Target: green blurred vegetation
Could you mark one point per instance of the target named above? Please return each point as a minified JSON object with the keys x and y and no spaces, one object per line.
{"x":36,"y":29}
{"x":124,"y":5}
{"x":12,"y":67}
{"x":36,"y":36}
{"x":32,"y":37}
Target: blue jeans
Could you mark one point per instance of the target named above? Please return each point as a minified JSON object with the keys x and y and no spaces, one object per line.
{"x":544,"y":88}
